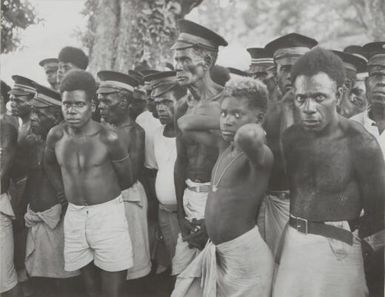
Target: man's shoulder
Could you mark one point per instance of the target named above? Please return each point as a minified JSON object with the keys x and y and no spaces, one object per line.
{"x":292,"y":133}
{"x":360,"y":117}
{"x":56,"y":133}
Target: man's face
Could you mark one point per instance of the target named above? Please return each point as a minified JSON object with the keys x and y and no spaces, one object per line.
{"x":189,"y":66}
{"x":76,"y":108}
{"x":375,"y":87}
{"x":43,"y":119}
{"x":353,"y":100}
{"x":316,"y":98}
{"x":51,"y":73}
{"x":20,"y":105}
{"x":284,"y":75}
{"x":63,"y":68}
{"x":165,"y":108}
{"x":235,"y":112}
{"x":110,"y":106}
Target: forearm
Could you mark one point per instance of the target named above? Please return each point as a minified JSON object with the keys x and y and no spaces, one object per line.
{"x":180,"y":185}
{"x":250,"y":139}
{"x":193,"y":122}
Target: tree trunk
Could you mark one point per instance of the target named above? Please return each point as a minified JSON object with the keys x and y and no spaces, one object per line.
{"x":123,"y":33}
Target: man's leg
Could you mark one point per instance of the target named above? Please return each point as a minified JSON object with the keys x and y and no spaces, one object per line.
{"x":14,"y":292}
{"x":90,"y":279}
{"x":112,"y":283}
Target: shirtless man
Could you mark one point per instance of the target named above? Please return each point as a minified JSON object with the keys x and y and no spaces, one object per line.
{"x":115,"y":96}
{"x":336,"y":170}
{"x":94,"y":167}
{"x":274,"y":212}
{"x":353,"y":100}
{"x":196,"y":51}
{"x":8,"y":142}
{"x":237,"y":261}
{"x":44,"y":259}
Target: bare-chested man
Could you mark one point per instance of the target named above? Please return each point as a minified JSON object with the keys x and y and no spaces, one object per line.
{"x":115,"y":96}
{"x":8,"y":142}
{"x":336,"y":170}
{"x":373,"y":119}
{"x":50,"y":66}
{"x":94,"y":168}
{"x":353,"y":100}
{"x":274,"y":212}
{"x":45,"y":240}
{"x":196,"y":50}
{"x":236,"y":261}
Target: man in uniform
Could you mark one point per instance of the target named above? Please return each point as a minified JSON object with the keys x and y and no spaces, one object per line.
{"x":89,"y":166}
{"x":336,"y":170}
{"x":70,"y":58}
{"x":50,"y":66}
{"x":353,"y":100}
{"x":373,"y":119}
{"x":196,"y":51}
{"x":115,"y":96}
{"x":262,"y":66}
{"x":274,"y":213}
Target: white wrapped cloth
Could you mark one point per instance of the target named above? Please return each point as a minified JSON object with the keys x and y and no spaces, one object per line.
{"x":242,"y":267}
{"x":45,"y":244}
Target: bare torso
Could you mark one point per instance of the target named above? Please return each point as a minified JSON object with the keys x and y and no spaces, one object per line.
{"x":87,"y":170}
{"x":230,"y":210}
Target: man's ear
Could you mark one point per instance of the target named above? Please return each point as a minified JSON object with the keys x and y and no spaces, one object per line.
{"x":339,"y":95}
{"x":208,"y":61}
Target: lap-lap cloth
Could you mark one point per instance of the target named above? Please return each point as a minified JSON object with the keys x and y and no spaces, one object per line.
{"x":97,"y":233}
{"x":194,"y":204}
{"x":274,"y":215}
{"x":45,"y":244}
{"x":8,"y":275}
{"x":242,"y":267}
{"x":317,"y":266}
{"x":135,"y":204}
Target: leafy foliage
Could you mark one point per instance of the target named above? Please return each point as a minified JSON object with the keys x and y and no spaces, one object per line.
{"x":16,"y":15}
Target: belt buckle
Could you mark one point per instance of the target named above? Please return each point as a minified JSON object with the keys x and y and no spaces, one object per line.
{"x":300,"y":223}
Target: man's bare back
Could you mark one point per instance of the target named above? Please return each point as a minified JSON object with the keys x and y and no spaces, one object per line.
{"x":86,"y":163}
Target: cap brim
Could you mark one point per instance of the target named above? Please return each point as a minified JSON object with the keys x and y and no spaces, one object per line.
{"x":179,"y":45}
{"x":106,"y":90}
{"x":18,"y":92}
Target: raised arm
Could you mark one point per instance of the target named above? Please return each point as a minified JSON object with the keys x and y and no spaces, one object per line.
{"x":51,"y":164}
{"x":205,"y":117}
{"x":370,"y":171}
{"x":121,"y":160}
{"x":250,"y":138}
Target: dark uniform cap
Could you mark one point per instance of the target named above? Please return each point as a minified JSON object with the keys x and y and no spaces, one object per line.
{"x":238,"y":72}
{"x":4,"y":88}
{"x":137,"y":75}
{"x":192,"y":34}
{"x":356,"y":50}
{"x":290,"y":45}
{"x":161,"y":82}
{"x":22,"y":86}
{"x":376,"y":53}
{"x":112,"y":81}
{"x":352,"y":62}
{"x":260,"y":56}
{"x":147,"y":72}
{"x":46,"y":97}
{"x":46,"y":61}
{"x":73,"y":55}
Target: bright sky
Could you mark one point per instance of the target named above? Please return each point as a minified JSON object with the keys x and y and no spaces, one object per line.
{"x":62,"y":18}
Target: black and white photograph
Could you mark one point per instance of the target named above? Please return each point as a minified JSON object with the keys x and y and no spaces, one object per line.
{"x":192,"y":148}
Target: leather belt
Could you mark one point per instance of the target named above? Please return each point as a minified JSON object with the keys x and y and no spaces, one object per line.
{"x":320,"y":228}
{"x":200,"y":189}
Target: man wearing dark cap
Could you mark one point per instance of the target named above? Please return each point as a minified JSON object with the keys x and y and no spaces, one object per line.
{"x":274,"y":213}
{"x":45,"y":240}
{"x":88,"y":165}
{"x":196,"y":51}
{"x":8,"y":138}
{"x":70,"y":58}
{"x":373,"y":119}
{"x":115,"y":96}
{"x":262,"y":66}
{"x":336,"y":170}
{"x":50,"y":66}
{"x":353,"y":100}
{"x":165,"y":91}
{"x":235,"y":72}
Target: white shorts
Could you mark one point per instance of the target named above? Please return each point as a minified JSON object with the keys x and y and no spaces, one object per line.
{"x":8,"y":276}
{"x":97,"y":233}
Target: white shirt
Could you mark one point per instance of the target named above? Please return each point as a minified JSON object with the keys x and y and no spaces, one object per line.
{"x":165,"y":156}
{"x":149,"y":124}
{"x":371,"y":127}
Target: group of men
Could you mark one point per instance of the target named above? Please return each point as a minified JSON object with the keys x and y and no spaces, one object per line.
{"x":266,"y":182}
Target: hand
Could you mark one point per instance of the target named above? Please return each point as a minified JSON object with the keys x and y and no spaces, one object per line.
{"x":185,"y":227}
{"x":249,"y":134}
{"x":198,"y":237}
